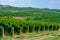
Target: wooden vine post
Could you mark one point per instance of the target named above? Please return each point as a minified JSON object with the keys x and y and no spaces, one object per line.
{"x":44,"y":27}
{"x":52,"y":28}
{"x":48,"y":27}
{"x":2,"y":32}
{"x":56,"y":28}
{"x":39,"y":29}
{"x":33,"y":30}
{"x":20,"y":32}
{"x":12,"y":32}
{"x":27,"y":29}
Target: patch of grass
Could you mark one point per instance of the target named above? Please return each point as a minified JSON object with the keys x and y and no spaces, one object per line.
{"x":53,"y":38}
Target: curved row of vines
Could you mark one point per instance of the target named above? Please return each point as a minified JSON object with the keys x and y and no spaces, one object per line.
{"x":26,"y":25}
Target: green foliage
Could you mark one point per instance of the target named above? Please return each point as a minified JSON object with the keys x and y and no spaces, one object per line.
{"x":8,"y":23}
{"x":32,"y":16}
{"x":1,"y":32}
{"x":50,"y":15}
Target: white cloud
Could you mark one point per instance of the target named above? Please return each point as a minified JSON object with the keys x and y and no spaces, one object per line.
{"x":7,"y":2}
{"x":16,"y":2}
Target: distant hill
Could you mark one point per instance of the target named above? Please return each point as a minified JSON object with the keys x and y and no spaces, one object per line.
{"x":44,"y":14}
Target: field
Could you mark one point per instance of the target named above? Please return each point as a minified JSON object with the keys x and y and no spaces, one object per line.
{"x":33,"y":23}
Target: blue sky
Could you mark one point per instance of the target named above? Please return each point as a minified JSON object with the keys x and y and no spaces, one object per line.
{"x":55,"y":4}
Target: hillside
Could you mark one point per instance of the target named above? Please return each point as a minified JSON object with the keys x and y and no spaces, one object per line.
{"x":52,"y":15}
{"x":20,"y":23}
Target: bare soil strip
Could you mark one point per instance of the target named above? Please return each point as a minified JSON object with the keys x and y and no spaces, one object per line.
{"x":42,"y":36}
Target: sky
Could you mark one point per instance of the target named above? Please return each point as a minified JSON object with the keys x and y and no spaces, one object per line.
{"x":52,"y":4}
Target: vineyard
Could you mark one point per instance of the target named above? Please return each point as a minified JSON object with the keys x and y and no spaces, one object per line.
{"x":24,"y":20}
{"x":11,"y":26}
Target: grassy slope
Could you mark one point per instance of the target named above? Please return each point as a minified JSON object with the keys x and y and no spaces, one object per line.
{"x":32,"y":13}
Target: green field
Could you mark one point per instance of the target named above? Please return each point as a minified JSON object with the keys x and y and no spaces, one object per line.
{"x":29,"y":13}
{"x":29,"y":19}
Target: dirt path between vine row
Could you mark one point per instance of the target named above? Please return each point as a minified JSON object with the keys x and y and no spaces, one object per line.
{"x":36,"y":37}
{"x":39,"y":37}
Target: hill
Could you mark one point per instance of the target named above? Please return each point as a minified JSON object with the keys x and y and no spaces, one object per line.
{"x":45,"y":14}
